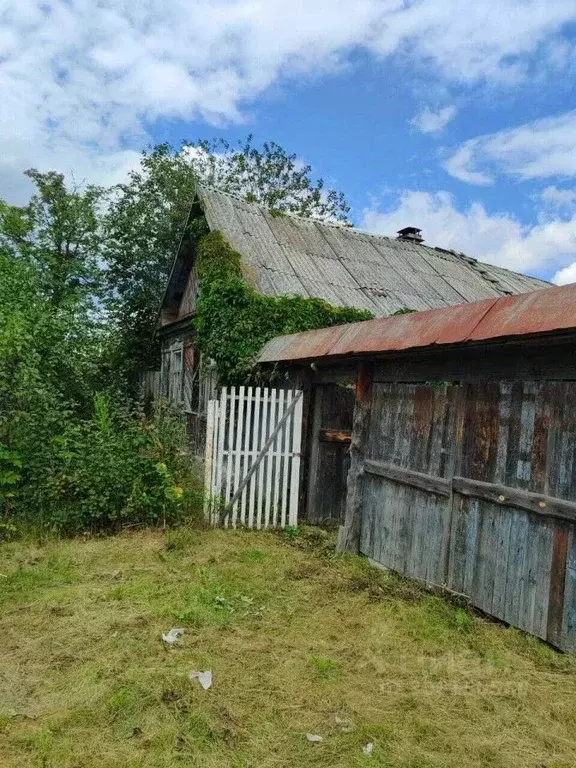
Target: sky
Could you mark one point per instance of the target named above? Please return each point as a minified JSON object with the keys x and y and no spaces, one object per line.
{"x":458,"y":117}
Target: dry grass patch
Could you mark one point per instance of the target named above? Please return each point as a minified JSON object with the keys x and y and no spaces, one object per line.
{"x":299,"y":642}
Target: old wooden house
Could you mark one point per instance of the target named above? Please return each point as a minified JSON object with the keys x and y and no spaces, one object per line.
{"x":287,"y":255}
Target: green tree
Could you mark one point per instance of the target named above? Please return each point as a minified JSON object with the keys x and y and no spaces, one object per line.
{"x":147,"y":216}
{"x":71,"y":458}
{"x":59,"y":231}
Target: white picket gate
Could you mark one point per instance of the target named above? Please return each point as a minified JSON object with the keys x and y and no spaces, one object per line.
{"x":253,"y":441}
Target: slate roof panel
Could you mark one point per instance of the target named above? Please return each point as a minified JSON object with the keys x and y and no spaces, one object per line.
{"x":289,"y":255}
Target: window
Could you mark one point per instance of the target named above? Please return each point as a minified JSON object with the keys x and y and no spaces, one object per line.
{"x":187,"y":380}
{"x":172,"y":373}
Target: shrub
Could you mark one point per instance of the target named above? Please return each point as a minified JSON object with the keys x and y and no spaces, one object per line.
{"x":112,"y":470}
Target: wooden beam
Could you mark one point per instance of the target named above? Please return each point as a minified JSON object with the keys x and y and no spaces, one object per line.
{"x":438,"y":485}
{"x":349,"y":535}
{"x":334,"y":436}
{"x":544,"y":506}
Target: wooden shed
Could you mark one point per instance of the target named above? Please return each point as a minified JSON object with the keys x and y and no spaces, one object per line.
{"x":461,"y":449}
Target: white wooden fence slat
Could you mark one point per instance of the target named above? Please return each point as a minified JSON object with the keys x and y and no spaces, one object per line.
{"x":254,"y":454}
{"x":295,"y":476}
{"x":285,"y":464}
{"x":209,"y":458}
{"x":262,"y":440}
{"x":247,"y":462}
{"x":220,"y":448}
{"x":238,"y":451}
{"x":270,"y":459}
{"x":278,"y":462}
{"x":213,"y":487}
{"x":230,"y":448}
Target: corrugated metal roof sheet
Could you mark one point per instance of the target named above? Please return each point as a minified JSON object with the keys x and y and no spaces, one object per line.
{"x":545,"y":311}
{"x":288,"y":255}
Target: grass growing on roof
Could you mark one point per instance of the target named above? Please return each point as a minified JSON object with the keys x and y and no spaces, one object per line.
{"x":299,"y":642}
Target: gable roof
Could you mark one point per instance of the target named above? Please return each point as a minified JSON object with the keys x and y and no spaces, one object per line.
{"x":285,"y":255}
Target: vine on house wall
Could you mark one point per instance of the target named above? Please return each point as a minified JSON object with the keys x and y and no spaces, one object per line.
{"x":233,"y":321}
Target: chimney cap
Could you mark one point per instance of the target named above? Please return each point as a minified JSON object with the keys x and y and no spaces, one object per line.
{"x":412,"y":234}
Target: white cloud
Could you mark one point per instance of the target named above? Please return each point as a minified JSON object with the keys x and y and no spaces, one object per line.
{"x":499,"y":239}
{"x":81,"y":79}
{"x":558,"y":201}
{"x":565,"y":275}
{"x":541,"y":149}
{"x":428,"y":121}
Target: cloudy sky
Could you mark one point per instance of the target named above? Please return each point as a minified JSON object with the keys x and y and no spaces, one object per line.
{"x":458,"y":117}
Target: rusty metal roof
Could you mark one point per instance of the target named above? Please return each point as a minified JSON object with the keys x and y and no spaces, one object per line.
{"x":539,"y":312}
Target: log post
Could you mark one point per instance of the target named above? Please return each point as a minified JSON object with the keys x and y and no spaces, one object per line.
{"x":349,"y":534}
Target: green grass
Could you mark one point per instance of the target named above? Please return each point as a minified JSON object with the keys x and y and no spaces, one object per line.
{"x":299,"y":641}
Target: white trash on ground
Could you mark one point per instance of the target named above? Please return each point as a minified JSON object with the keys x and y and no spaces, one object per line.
{"x":367,"y":749}
{"x":314,"y":738}
{"x":204,"y":678}
{"x":172,"y":636}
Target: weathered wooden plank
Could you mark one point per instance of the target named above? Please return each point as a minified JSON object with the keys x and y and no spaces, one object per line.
{"x":515,"y":576}
{"x":568,"y":639}
{"x":542,"y":564}
{"x":349,"y":536}
{"x":432,"y":544}
{"x":484,"y":567}
{"x":314,"y":450}
{"x":501,"y":549}
{"x":544,"y":506}
{"x":437,"y":485}
{"x":296,"y":430}
{"x":471,"y":559}
{"x":458,"y":538}
{"x":527,"y":419}
{"x":557,"y":583}
{"x":371,"y":496}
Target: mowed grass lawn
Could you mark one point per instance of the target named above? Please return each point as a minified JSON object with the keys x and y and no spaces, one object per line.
{"x":299,"y":641}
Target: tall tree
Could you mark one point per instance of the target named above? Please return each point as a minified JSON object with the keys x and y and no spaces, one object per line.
{"x":59,"y":231}
{"x":147,"y":215}
{"x":51,"y":266}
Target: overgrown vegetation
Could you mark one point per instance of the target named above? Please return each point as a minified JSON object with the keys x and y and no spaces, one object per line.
{"x":82,"y":271}
{"x":299,"y":641}
{"x":233,"y":321}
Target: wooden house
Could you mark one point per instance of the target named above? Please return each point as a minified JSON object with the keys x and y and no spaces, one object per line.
{"x":287,"y":255}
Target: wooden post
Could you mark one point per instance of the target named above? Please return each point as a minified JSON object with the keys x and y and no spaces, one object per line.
{"x":349,"y":535}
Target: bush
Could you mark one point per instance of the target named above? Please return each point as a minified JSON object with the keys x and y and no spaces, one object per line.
{"x":112,"y":470}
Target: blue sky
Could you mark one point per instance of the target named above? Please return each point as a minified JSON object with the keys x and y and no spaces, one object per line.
{"x":456,"y":117}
